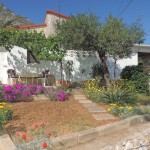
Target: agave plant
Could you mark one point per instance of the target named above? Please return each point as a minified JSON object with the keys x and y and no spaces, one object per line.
{"x":119,"y":96}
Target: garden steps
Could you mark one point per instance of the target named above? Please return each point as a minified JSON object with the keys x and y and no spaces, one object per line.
{"x":98,"y":113}
{"x":40,"y":97}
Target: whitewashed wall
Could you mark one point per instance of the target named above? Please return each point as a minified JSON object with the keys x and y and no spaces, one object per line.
{"x":122,"y":63}
{"x":3,"y":67}
{"x":17,"y":60}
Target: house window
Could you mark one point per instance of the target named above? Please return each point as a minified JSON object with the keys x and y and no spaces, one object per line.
{"x":144,"y":58}
{"x":31,"y":58}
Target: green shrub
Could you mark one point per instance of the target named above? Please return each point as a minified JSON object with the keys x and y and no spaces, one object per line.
{"x":6,"y":113}
{"x":1,"y":93}
{"x":97,"y":70}
{"x":118,"y":96}
{"x":124,"y":111}
{"x":93,"y":89}
{"x":138,"y":76}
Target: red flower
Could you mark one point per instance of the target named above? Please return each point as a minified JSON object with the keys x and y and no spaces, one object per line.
{"x":49,"y":133}
{"x":36,"y":126}
{"x":44,"y":145}
{"x":17,"y":134}
{"x":24,"y":136}
{"x":42,"y":123}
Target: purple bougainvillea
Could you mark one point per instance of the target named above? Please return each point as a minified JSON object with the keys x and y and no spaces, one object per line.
{"x":56,"y":94}
{"x":19,"y":92}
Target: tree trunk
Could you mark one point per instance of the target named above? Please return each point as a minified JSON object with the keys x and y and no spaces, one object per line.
{"x":105,"y":68}
{"x":115,"y":70}
{"x":61,"y":70}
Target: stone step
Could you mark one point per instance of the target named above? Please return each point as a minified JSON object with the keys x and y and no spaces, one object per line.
{"x":96,"y":109}
{"x":85,"y":101}
{"x":82,"y":96}
{"x":80,"y":99}
{"x":90,"y":105}
{"x":104,"y":116}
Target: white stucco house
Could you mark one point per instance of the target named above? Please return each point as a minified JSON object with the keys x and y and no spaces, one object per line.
{"x":81,"y":62}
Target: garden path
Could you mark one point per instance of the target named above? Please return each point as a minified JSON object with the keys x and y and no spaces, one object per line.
{"x":99,"y":113}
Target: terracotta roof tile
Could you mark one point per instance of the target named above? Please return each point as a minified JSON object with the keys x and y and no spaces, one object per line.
{"x":31,"y":26}
{"x":57,"y":14}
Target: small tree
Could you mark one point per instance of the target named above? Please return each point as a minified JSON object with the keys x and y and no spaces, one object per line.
{"x":43,"y":48}
{"x":120,"y":38}
{"x":85,"y":32}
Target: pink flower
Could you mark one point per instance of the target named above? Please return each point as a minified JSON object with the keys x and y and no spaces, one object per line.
{"x":17,"y":134}
{"x":49,"y":133}
{"x":42,"y":123}
{"x":36,"y":126}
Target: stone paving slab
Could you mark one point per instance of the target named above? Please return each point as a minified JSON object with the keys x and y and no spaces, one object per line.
{"x":104,"y":116}
{"x":77,"y":96}
{"x":81,"y":99}
{"x":96,"y":109}
{"x":85,"y":101}
{"x":90,"y":105}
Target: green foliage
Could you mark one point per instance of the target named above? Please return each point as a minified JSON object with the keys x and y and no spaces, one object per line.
{"x":120,"y":92}
{"x":5,"y":114}
{"x":111,"y":38}
{"x":6,"y":38}
{"x":118,"y":96}
{"x":143,"y":99}
{"x":119,"y":37}
{"x":97,"y":71}
{"x":1,"y":93}
{"x":43,"y":48}
{"x":94,"y":89}
{"x":126,"y":111}
{"x":137,"y":75}
{"x":80,"y":32}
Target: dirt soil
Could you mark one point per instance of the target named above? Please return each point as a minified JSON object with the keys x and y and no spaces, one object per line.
{"x":61,"y":118}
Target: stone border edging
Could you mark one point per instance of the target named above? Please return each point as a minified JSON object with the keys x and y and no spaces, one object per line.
{"x":64,"y":142}
{"x":74,"y":139}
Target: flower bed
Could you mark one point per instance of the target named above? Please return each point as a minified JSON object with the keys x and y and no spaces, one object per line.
{"x":121,"y":95}
{"x":19,"y":92}
{"x":35,"y":138}
{"x":61,"y":118}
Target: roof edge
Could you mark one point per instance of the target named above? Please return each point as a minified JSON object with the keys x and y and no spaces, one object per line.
{"x":31,"y":26}
{"x":141,"y":45}
{"x":57,"y":14}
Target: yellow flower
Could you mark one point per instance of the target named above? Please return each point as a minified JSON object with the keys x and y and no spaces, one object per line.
{"x":1,"y":107}
{"x":3,"y":103}
{"x":10,"y":106}
{"x":130,"y":108}
{"x":121,"y":107}
{"x":108,"y":109}
{"x":113,"y":105}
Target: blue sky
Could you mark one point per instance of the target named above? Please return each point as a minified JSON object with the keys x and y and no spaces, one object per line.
{"x":35,"y":9}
